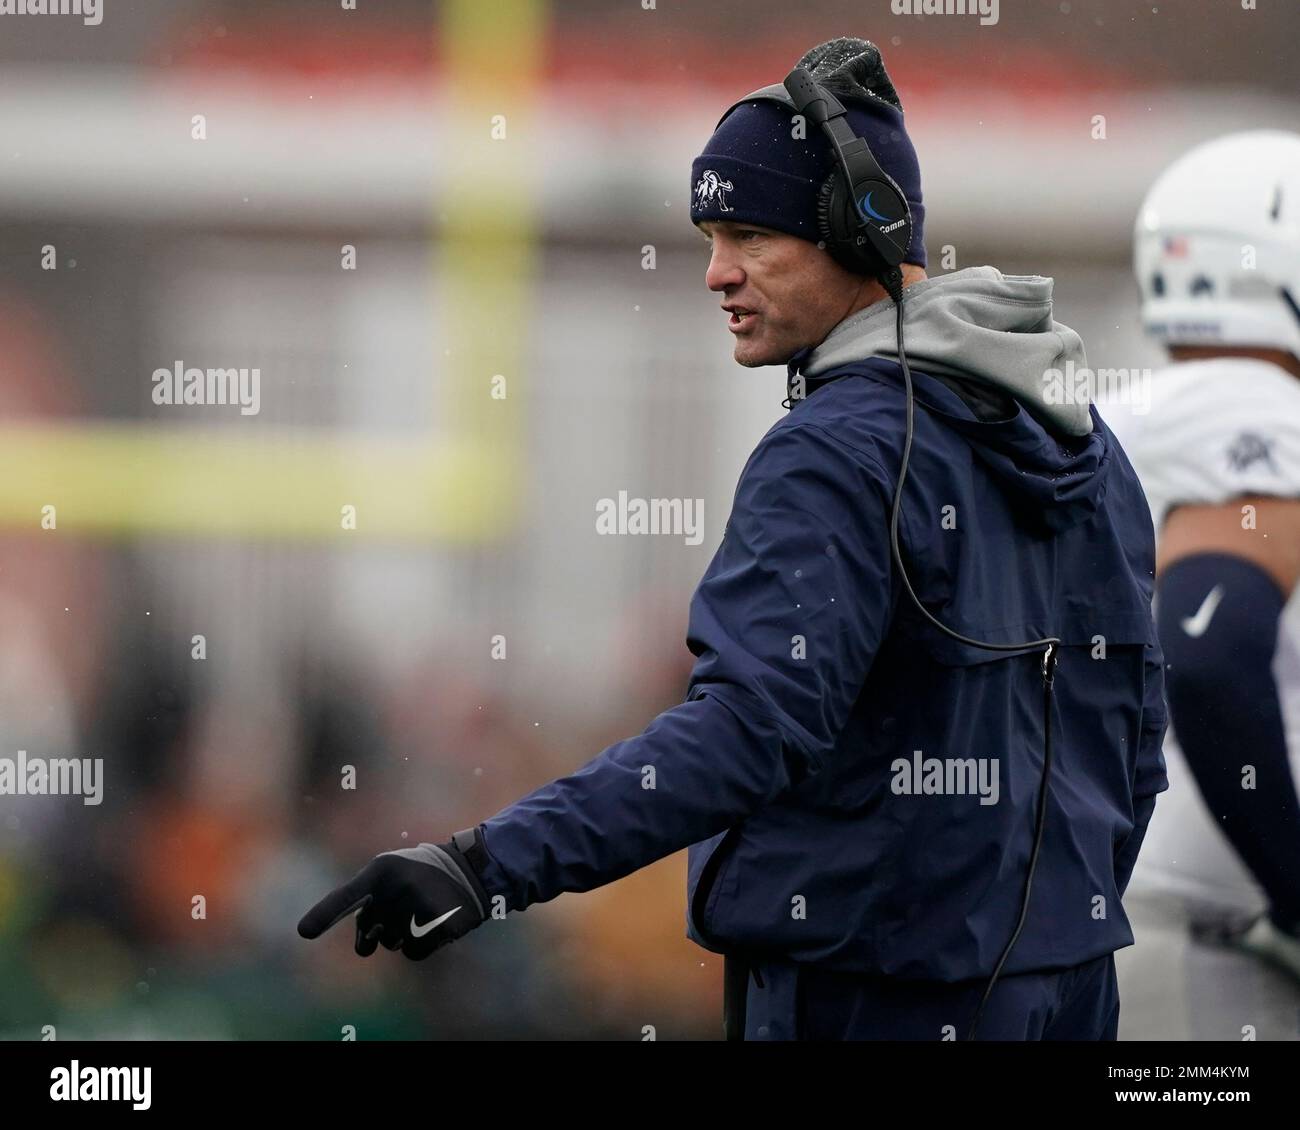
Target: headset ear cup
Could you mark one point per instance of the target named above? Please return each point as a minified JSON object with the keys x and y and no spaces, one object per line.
{"x":901,"y":238}
{"x":838,"y":227}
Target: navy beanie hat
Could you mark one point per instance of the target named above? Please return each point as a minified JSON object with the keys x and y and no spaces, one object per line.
{"x":753,"y":171}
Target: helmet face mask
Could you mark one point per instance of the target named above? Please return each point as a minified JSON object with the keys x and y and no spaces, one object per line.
{"x":1217,"y":245}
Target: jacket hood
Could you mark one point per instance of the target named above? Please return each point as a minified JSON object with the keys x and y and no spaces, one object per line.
{"x":977,"y":323}
{"x":978,"y":327}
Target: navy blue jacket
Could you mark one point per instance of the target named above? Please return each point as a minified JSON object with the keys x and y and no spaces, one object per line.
{"x":817,"y":681}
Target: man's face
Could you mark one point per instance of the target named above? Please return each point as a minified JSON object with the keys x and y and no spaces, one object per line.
{"x":794,"y":292}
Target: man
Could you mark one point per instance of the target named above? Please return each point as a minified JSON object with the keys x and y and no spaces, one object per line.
{"x":1218,"y":451}
{"x":858,"y":789}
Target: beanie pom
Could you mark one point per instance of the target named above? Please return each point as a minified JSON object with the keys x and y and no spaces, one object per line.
{"x":851,"y":67}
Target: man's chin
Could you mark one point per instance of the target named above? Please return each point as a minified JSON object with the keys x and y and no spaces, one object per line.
{"x":752,"y":355}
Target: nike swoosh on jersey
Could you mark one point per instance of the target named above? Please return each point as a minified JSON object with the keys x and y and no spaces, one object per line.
{"x":1195,"y":626}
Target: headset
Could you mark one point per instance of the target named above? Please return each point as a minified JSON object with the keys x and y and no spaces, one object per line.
{"x":866,"y":226}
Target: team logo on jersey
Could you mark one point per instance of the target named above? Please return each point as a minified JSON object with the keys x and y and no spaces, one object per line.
{"x":1250,"y":448}
{"x":711,"y":187}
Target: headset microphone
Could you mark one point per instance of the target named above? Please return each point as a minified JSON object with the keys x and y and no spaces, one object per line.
{"x":866,"y":226}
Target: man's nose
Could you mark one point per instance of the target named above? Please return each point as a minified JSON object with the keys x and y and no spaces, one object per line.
{"x":723,"y":270}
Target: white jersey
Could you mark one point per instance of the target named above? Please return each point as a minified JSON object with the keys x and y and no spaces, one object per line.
{"x":1212,"y":431}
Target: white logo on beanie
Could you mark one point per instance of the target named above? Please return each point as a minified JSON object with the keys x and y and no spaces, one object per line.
{"x":712,"y":187}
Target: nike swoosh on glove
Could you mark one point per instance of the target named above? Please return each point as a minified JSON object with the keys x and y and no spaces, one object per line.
{"x":417,"y":900}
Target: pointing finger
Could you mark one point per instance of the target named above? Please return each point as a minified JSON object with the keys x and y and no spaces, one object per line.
{"x":336,"y":906}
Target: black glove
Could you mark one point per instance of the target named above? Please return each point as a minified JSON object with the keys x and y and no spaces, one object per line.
{"x":416,"y":899}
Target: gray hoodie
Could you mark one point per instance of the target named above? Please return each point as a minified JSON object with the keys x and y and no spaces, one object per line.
{"x":976,"y":324}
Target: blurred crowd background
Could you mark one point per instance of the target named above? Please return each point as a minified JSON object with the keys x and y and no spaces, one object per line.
{"x":526,"y":257}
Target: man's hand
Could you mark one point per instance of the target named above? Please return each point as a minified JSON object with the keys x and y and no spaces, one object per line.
{"x":416,"y":900}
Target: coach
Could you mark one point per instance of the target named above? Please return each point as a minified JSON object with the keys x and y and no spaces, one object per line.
{"x":858,"y":790}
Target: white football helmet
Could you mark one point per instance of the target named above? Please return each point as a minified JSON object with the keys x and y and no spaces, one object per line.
{"x":1217,"y":245}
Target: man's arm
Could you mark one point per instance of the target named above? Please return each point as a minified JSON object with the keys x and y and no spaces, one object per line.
{"x":1192,"y":531}
{"x":785,"y":625}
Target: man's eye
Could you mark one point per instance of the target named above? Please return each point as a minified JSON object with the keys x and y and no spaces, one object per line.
{"x":747,"y":233}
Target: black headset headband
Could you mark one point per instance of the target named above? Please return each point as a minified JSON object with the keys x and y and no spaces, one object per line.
{"x":863,"y":216}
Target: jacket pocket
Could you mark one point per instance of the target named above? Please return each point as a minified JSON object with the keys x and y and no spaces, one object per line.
{"x":1072,"y":630}
{"x":709,"y":881}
